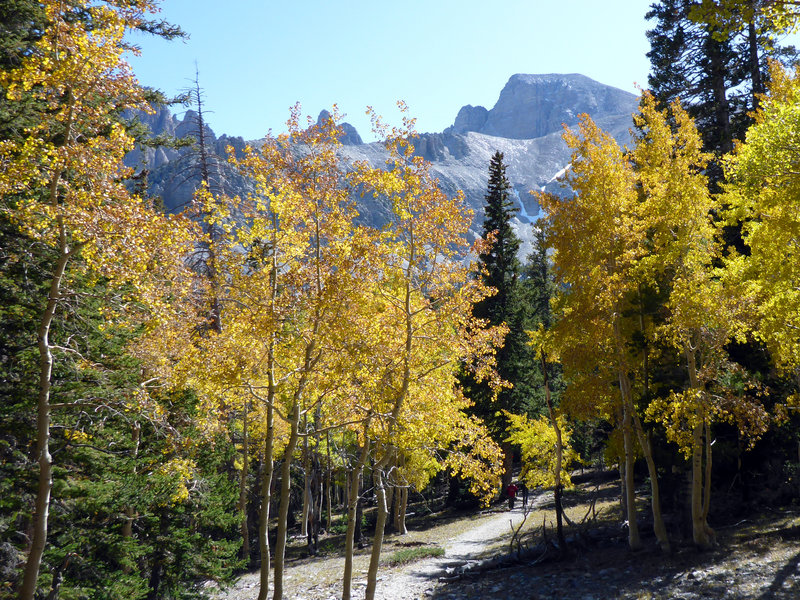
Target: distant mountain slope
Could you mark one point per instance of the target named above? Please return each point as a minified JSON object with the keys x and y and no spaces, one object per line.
{"x":525,"y":124}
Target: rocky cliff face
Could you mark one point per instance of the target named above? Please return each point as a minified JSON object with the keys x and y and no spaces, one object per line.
{"x":532,"y":106}
{"x":174,"y":173}
{"x":525,"y":124}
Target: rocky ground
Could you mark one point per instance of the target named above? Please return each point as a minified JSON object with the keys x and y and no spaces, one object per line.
{"x":758,"y":558}
{"x":761,"y":561}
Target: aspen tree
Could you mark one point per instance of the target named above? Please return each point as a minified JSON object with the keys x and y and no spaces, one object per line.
{"x":65,"y":176}
{"x":428,"y":327}
{"x":295,"y":299}
{"x":763,"y":195}
{"x":597,"y":237}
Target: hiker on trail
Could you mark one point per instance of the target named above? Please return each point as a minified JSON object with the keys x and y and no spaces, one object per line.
{"x":511,"y":490}
{"x":524,"y":489}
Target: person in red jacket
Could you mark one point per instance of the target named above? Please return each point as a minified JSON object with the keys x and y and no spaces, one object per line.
{"x":511,"y":490}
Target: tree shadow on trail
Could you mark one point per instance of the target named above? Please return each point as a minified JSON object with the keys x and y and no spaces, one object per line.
{"x":776,"y":589}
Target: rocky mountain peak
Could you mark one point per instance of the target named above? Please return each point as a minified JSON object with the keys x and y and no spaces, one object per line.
{"x":350,"y":137}
{"x":532,"y":106}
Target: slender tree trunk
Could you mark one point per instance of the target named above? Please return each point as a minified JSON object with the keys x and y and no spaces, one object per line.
{"x":380,"y":524}
{"x":352,"y":516}
{"x":269,"y":441}
{"x":328,"y":486}
{"x":655,"y":495}
{"x":243,"y":487}
{"x":359,"y":533}
{"x":700,"y":529}
{"x":306,"y":486}
{"x":394,"y":418}
{"x":44,"y":459}
{"x":392,"y":504}
{"x":655,"y":499}
{"x":698,"y":525}
{"x":390,"y":484}
{"x":314,"y":506}
{"x":401,"y":527}
{"x":266,"y":498}
{"x":710,"y":534}
{"x":645,"y":442}
{"x":562,"y":544}
{"x":283,"y":509}
{"x":402,"y":502}
{"x":634,"y":542}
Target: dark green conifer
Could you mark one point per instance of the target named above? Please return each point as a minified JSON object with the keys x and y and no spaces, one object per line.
{"x":715,"y":71}
{"x":500,"y":258}
{"x":501,"y":269}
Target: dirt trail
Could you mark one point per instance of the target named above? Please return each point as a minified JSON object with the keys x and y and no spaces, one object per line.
{"x":320,"y":579}
{"x":417,"y":580}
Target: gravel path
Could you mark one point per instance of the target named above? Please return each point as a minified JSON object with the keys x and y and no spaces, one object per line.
{"x":417,"y":580}
{"x":758,"y":559}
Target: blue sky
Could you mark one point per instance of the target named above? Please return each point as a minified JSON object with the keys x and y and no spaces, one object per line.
{"x":258,"y":57}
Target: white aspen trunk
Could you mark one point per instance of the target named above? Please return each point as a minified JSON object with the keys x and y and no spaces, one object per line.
{"x":306,"y":489}
{"x":380,"y":524}
{"x":634,"y":541}
{"x":42,"y":504}
{"x":243,"y":487}
{"x":283,"y":508}
{"x":266,"y":498}
{"x":401,"y":500}
{"x":328,"y":486}
{"x":655,"y":499}
{"x":645,"y":442}
{"x":392,"y":503}
{"x":401,"y":527}
{"x":699,"y":526}
{"x":269,"y":442}
{"x":655,"y":495}
{"x":352,"y":504}
{"x":710,"y":533}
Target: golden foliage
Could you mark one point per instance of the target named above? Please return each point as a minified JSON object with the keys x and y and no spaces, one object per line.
{"x":536,"y":439}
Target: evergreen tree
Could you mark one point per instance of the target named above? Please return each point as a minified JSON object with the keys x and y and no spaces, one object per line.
{"x":20,"y":27}
{"x":500,"y":268}
{"x":696,"y":64}
{"x":714,"y":60}
{"x":500,"y":257}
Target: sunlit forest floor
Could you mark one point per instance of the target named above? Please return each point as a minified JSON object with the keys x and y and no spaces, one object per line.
{"x":755,"y":558}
